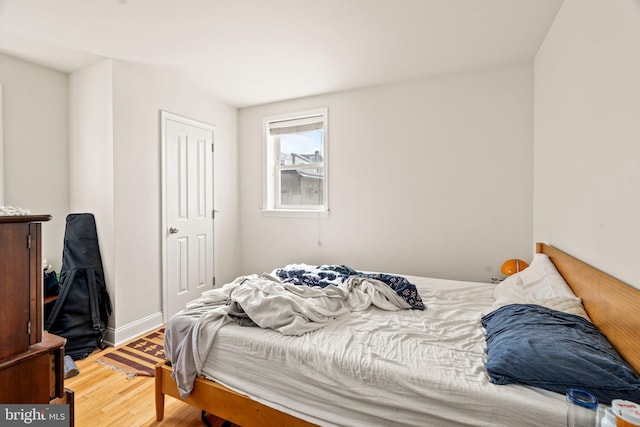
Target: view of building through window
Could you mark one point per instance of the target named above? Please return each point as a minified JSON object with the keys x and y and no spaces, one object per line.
{"x":302,"y":168}
{"x":296,"y":162}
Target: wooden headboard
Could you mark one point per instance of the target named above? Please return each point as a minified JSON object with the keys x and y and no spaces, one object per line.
{"x":614,"y":306}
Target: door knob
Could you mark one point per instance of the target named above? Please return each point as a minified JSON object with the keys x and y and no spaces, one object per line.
{"x":173,"y":230}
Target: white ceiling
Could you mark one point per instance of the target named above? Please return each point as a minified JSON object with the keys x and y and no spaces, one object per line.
{"x":249,"y":52}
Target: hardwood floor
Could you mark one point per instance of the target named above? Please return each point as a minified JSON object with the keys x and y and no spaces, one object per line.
{"x":104,"y":397}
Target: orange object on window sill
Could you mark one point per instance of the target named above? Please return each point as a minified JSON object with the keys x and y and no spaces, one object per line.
{"x":513,"y":266}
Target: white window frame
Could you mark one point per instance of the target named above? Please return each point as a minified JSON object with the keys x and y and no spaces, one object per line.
{"x":272,"y":167}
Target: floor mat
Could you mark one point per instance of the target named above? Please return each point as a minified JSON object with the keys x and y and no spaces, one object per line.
{"x":138,"y":357}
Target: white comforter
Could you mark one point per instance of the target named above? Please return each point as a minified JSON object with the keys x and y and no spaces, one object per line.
{"x":266,"y":302}
{"x":379,"y":368}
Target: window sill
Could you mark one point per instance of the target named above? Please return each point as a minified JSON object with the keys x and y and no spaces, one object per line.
{"x":295,"y":213}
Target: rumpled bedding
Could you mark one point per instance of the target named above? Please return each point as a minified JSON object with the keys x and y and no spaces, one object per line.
{"x":324,"y":275}
{"x":267,"y":302}
{"x":378,"y":368}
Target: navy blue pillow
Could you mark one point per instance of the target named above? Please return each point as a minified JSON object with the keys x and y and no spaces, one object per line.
{"x":536,"y":346}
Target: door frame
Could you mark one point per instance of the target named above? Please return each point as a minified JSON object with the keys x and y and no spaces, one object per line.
{"x":164,"y":117}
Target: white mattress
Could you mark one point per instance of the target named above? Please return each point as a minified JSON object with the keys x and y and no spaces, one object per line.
{"x":419,"y":368}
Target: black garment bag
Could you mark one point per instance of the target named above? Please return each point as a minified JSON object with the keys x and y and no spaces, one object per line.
{"x":81,"y":312}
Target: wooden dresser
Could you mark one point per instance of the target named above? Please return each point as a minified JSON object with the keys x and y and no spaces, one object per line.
{"x":35,"y":375}
{"x":31,"y":360}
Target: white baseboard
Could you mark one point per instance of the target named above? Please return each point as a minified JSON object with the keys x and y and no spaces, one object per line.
{"x":120,"y":335}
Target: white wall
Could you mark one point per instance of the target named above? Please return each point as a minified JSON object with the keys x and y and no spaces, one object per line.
{"x":91,"y":168}
{"x":116,"y":160}
{"x":36,"y":168}
{"x":140,"y":93}
{"x":587,"y":135}
{"x":90,"y":142}
{"x":432,"y":177}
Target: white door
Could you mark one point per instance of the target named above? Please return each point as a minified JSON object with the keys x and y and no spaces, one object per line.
{"x":187,"y":229}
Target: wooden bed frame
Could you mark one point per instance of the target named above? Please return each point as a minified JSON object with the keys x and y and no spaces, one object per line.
{"x":609,"y":302}
{"x":612,"y":305}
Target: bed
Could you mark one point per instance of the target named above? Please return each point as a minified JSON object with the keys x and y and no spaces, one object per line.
{"x":260,"y":377}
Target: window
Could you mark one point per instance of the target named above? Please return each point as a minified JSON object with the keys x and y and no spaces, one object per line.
{"x":296,"y":163}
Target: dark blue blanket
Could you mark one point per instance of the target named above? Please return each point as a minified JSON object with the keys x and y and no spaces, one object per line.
{"x":325,"y":275}
{"x":533,"y":345}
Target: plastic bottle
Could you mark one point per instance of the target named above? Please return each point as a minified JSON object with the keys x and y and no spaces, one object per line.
{"x":609,"y":418}
{"x":627,"y":413}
